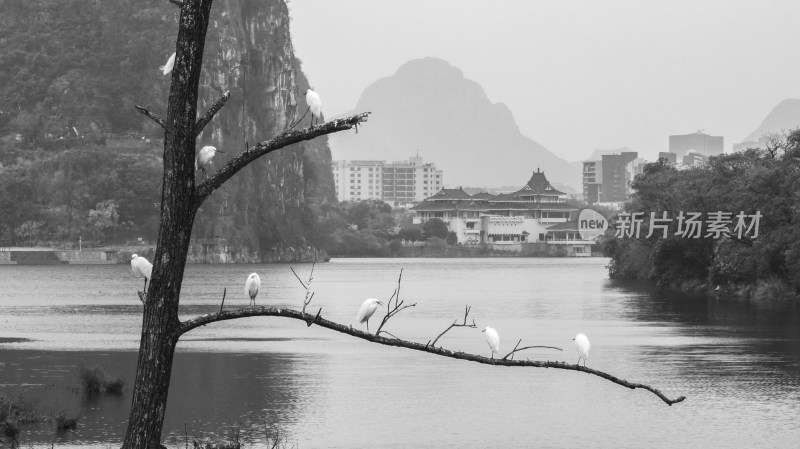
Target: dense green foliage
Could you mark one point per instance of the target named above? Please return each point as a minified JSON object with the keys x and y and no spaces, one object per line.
{"x":749,"y":181}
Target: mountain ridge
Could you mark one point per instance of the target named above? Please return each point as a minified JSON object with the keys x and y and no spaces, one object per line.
{"x":428,"y":105}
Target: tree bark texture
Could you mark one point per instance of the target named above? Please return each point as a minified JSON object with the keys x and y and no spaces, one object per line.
{"x":160,"y":318}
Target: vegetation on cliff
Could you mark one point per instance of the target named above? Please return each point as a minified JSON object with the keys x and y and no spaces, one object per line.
{"x":70,"y":75}
{"x":765,"y":181}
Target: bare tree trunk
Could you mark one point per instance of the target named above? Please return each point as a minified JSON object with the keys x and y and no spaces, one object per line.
{"x":178,"y":210}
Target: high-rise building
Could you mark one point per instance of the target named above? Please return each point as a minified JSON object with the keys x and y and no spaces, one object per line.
{"x":396,"y":183}
{"x":700,"y":142}
{"x":592,"y":181}
{"x":618,"y":173}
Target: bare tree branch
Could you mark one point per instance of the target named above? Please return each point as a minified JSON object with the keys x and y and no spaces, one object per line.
{"x":398,"y":305}
{"x":526,"y":347}
{"x":234,"y":165}
{"x":203,"y":121}
{"x":455,"y":324}
{"x":224,"y":292}
{"x":178,"y":3}
{"x":202,"y":320}
{"x":152,"y":116}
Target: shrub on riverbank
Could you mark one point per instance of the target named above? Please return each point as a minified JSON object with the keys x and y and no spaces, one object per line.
{"x":97,"y":380}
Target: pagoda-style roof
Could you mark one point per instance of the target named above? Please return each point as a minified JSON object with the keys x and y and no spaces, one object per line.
{"x":450,"y":195}
{"x":434,"y":206}
{"x":484,"y":196}
{"x":537,"y":185}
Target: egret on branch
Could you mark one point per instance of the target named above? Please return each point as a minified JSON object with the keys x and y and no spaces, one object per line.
{"x":582,"y":345}
{"x":166,"y":68}
{"x":141,"y":267}
{"x":251,"y":287}
{"x":366,"y":311}
{"x":492,"y":339}
{"x":315,"y":104}
{"x":204,"y":157}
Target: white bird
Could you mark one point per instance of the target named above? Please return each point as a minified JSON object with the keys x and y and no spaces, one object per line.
{"x":493,"y":339}
{"x":582,"y":345}
{"x":315,"y":104}
{"x":166,"y":68}
{"x":367,"y":309}
{"x":141,"y":267}
{"x":251,"y":287}
{"x":204,"y":157}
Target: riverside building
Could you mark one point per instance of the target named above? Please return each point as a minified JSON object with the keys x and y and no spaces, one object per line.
{"x":535,"y":218}
{"x":397,"y":183}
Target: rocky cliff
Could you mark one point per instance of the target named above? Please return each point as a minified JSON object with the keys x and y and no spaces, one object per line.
{"x":80,"y":66}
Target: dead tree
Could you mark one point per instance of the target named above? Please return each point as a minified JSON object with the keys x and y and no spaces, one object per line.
{"x":180,"y":201}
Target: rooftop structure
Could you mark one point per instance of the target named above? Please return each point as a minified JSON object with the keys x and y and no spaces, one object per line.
{"x":507,"y":220}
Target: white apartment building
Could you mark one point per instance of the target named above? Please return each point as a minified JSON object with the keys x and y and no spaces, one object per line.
{"x":396,"y":183}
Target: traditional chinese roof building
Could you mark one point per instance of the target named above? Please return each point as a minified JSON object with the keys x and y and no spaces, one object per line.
{"x":526,"y":216}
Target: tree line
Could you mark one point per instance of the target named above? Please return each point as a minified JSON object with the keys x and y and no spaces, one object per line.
{"x":763,"y":181}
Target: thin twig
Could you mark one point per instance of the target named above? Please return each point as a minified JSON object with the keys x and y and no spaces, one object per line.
{"x":224,"y":291}
{"x":308,"y":298}
{"x":298,"y":278}
{"x":298,"y":122}
{"x":455,"y":324}
{"x":398,"y":305}
{"x":526,"y":347}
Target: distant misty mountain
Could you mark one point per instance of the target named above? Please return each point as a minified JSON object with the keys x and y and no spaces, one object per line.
{"x":785,"y":116}
{"x":428,"y":105}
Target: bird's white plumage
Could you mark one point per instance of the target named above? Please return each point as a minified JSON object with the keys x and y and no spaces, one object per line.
{"x":141,"y":267}
{"x":492,"y":339}
{"x":314,"y":102}
{"x":166,"y":68}
{"x":367,"y":309}
{"x":204,"y":157}
{"x":583,"y":346}
{"x":252,"y":286}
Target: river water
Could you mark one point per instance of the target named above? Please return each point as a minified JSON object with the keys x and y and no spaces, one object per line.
{"x":737,"y":363}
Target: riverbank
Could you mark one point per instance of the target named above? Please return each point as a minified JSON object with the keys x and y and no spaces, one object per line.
{"x":199,"y":253}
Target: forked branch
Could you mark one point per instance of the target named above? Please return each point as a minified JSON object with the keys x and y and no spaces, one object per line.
{"x":202,"y":320}
{"x":455,"y":324}
{"x":397,"y":308}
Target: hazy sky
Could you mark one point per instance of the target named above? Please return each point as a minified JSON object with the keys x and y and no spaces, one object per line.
{"x":577,"y":75}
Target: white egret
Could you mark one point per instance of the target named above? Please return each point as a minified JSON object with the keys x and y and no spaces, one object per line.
{"x":141,"y":267}
{"x":582,"y":345}
{"x":367,"y":309}
{"x":492,"y":339}
{"x":315,"y":104}
{"x":251,"y":287}
{"x":166,"y":68}
{"x":204,"y":157}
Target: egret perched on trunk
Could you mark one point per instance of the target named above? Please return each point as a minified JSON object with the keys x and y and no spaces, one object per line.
{"x":204,"y":157}
{"x":315,"y":104}
{"x":582,"y":345}
{"x":492,"y":339}
{"x":251,"y":287}
{"x":367,"y":309}
{"x":166,"y":68}
{"x":141,"y":267}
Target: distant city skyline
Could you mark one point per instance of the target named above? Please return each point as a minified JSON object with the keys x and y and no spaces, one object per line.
{"x":577,"y":76}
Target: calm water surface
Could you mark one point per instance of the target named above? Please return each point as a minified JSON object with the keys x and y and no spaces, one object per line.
{"x":737,"y":363}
